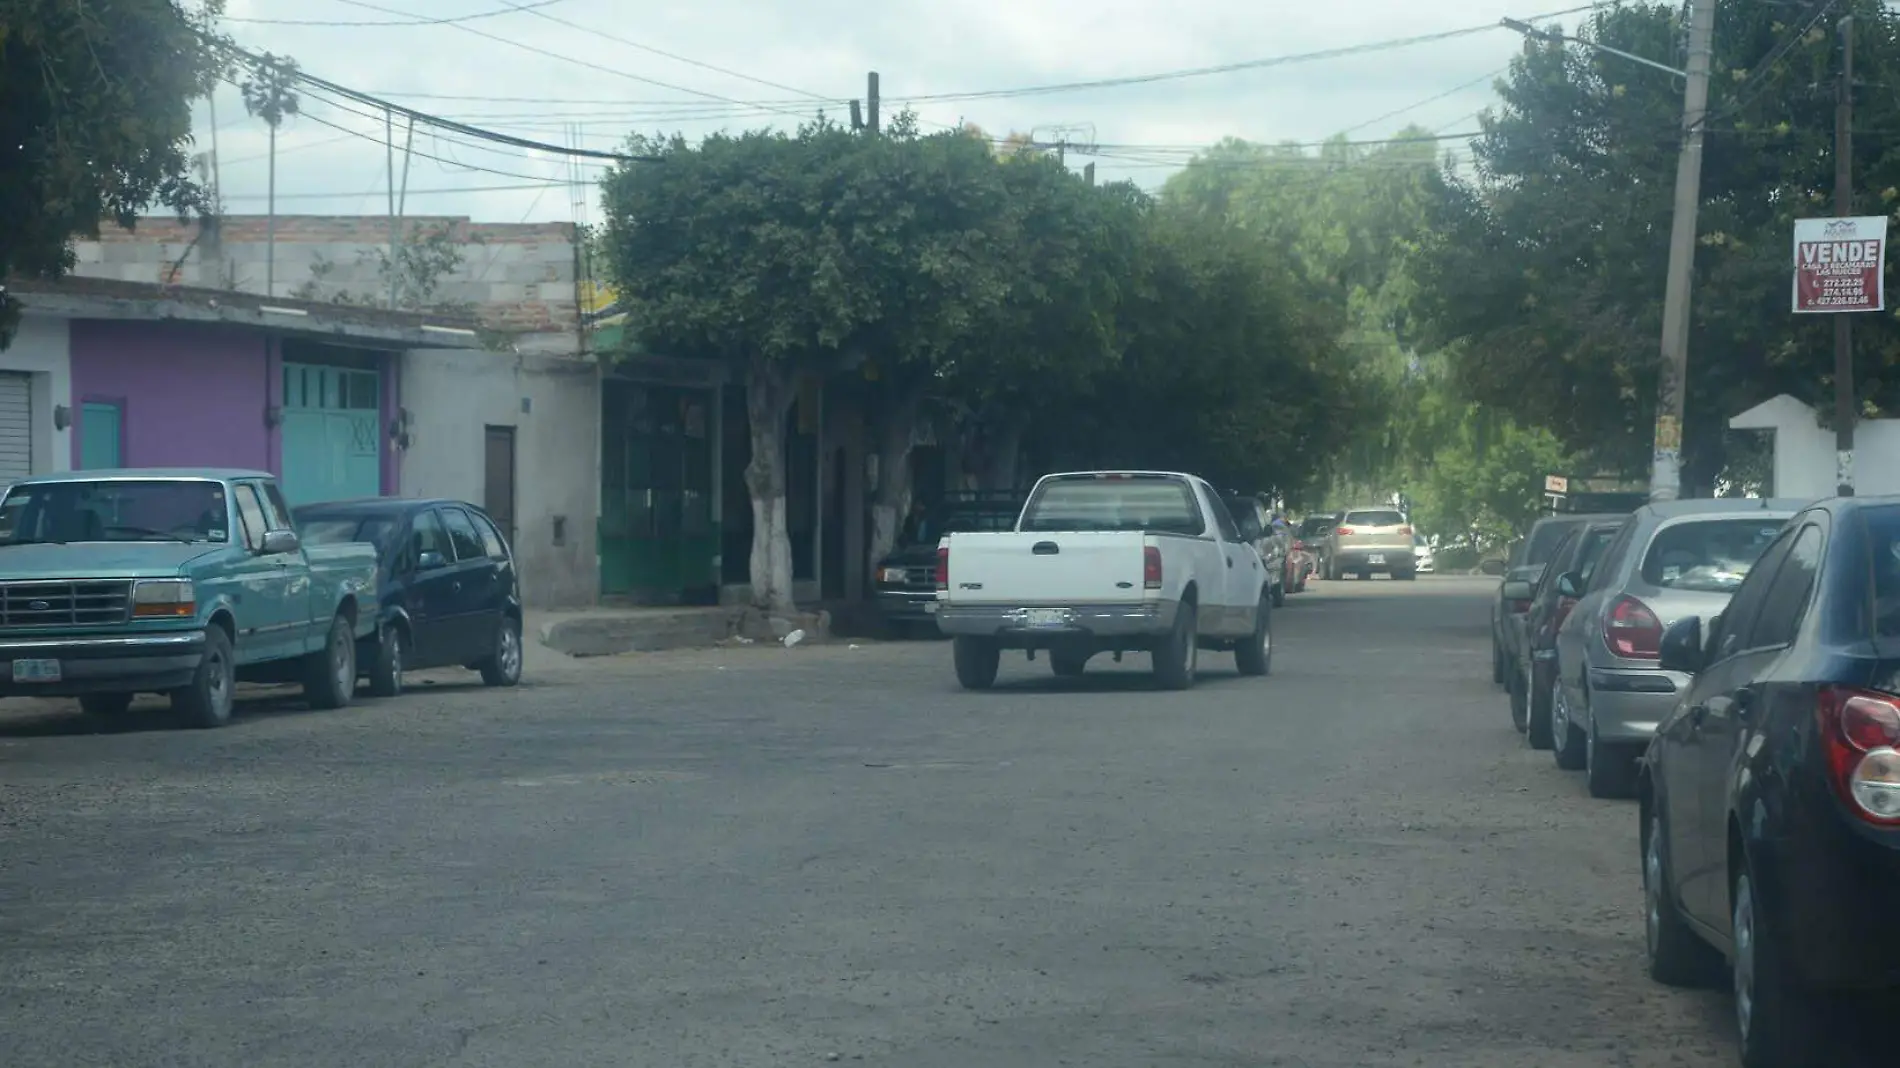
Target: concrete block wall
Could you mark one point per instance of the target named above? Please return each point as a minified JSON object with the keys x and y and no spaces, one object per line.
{"x":519,"y":276}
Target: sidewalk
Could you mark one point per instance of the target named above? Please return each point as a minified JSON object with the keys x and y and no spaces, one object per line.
{"x":613,"y":631}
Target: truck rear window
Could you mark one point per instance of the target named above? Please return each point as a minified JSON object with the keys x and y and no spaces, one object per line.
{"x":1161,"y":505}
{"x":1710,"y":555}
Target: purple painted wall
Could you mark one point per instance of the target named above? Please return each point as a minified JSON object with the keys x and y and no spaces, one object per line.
{"x":195,"y":395}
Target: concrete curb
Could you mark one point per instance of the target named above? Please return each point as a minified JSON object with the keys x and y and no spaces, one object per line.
{"x":655,"y":630}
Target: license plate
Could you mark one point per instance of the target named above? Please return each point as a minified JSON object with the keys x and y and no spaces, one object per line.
{"x":1376,"y":558}
{"x":930,"y":608}
{"x":36,"y":671}
{"x":1046,"y":617}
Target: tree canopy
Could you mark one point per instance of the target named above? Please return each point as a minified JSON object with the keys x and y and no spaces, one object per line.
{"x":97,"y":121}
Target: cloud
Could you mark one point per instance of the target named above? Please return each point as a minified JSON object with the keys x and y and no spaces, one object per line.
{"x":815,"y":54}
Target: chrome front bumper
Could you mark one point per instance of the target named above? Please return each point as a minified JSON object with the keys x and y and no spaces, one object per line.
{"x":128,"y":663}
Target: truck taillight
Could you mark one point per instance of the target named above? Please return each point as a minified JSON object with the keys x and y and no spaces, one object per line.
{"x":943,"y":567}
{"x":1632,"y":631}
{"x":1344,"y":532}
{"x":1151,"y":567}
{"x":1860,"y":732}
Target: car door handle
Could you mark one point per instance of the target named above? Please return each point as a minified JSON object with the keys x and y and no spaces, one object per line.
{"x":1230,"y":561}
{"x":1045,"y":548}
{"x":456,"y":586}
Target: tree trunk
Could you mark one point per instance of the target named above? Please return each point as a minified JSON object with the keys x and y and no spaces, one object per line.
{"x":896,"y":427}
{"x":1005,"y":455}
{"x":769,"y":392}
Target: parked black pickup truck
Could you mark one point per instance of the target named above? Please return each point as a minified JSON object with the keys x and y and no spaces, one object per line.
{"x":906,"y":580}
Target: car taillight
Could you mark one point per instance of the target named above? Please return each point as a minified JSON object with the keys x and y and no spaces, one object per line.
{"x":1344,"y":532}
{"x":1860,"y":732}
{"x":1632,"y":631}
{"x":1407,"y":531}
{"x":1151,"y":567}
{"x":943,"y":567}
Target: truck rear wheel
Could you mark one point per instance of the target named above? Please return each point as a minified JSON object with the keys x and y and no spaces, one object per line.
{"x":1178,"y":657}
{"x":207,"y":701}
{"x":977,"y":660}
{"x":330,"y":672}
{"x":1254,"y":655}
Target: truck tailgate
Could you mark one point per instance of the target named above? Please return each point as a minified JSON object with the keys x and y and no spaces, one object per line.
{"x":1102,"y":567}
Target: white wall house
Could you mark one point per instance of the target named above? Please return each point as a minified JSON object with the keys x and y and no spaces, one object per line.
{"x":1803,"y":450}
{"x":35,"y":390}
{"x":520,"y":436}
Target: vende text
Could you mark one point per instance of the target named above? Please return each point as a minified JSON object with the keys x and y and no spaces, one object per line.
{"x":1818,"y":252}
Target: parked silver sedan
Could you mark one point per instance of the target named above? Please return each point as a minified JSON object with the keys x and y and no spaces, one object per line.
{"x":1669,"y":560}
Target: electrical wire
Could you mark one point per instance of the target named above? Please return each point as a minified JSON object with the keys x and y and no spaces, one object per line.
{"x":1453,"y":91}
{"x":417,"y":21}
{"x":551,"y":183}
{"x":1757,"y":80}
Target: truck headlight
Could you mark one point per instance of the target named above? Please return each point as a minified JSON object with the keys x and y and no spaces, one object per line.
{"x":164,"y":599}
{"x":893,"y":576}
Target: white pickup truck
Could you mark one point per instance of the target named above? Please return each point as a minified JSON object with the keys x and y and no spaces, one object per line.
{"x":1108,"y":562}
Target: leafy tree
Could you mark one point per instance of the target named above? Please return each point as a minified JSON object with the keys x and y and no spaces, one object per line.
{"x":97,"y":122}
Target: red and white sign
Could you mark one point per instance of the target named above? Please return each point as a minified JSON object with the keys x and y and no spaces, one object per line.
{"x":1840,"y":265}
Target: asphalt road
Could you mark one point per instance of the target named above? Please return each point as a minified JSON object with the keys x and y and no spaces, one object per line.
{"x":770,"y":857}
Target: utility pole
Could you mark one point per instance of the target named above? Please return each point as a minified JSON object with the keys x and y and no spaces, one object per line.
{"x":389,"y":143}
{"x":1665,"y":472}
{"x":870,"y":101}
{"x":1088,"y":173}
{"x":1844,"y":323}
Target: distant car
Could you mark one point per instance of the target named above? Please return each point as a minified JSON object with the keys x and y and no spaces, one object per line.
{"x":1369,"y":540}
{"x":1423,"y":563}
{"x":448,"y":591}
{"x":906,"y":579}
{"x":1526,"y":563}
{"x":1311,"y":537}
{"x":1672,"y":559}
{"x":1770,"y":794}
{"x":1273,"y":543}
{"x":1570,"y":570}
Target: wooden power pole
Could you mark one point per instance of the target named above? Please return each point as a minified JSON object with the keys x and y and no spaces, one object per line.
{"x":1844,"y":413}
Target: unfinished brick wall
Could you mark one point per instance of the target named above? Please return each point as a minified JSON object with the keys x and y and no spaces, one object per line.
{"x":518,"y":276}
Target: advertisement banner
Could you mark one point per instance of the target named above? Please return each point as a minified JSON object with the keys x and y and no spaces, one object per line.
{"x":1840,"y":265}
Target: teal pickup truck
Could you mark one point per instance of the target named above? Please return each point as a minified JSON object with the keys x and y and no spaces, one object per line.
{"x":174,"y":581}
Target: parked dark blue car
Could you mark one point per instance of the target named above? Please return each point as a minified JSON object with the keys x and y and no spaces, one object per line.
{"x":448,"y":589}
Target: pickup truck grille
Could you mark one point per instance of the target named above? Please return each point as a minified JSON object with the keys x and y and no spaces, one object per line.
{"x":64,"y":604}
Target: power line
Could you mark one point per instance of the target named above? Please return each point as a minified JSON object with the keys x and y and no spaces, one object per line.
{"x":1453,"y":91}
{"x":417,"y":21}
{"x":412,"y":192}
{"x":576,"y":60}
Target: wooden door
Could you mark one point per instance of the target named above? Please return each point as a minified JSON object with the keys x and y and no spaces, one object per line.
{"x":498,"y":478}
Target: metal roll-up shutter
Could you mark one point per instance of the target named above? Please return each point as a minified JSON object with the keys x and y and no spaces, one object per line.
{"x":16,"y":426}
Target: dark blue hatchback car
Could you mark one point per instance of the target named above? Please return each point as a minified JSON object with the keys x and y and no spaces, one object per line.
{"x":449,"y":589}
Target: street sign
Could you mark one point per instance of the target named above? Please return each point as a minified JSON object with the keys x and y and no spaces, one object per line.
{"x":1840,"y":265}
{"x":1556,"y":484}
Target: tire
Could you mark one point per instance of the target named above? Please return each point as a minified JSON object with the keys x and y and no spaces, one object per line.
{"x":1567,"y":739}
{"x":1068,"y":665}
{"x":330,"y":672}
{"x":1405,"y":576}
{"x":1676,"y":956}
{"x":977,"y":660}
{"x":1537,"y":719}
{"x":1365,"y":576}
{"x":503,"y":666}
{"x":392,"y":657}
{"x":1497,"y":662}
{"x":1254,"y":656}
{"x":106,"y":706}
{"x":1779,"y":1020}
{"x":1514,"y":687}
{"x":1177,"y":661}
{"x":1608,"y":769}
{"x":206,"y":703}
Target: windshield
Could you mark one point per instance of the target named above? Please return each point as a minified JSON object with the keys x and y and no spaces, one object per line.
{"x":1883,"y":541}
{"x":338,"y":530}
{"x":1544,"y":539}
{"x":1710,"y":555}
{"x":1374,"y":519}
{"x":185,"y":510}
{"x":1157,"y":504}
{"x":978,"y":522}
{"x":1594,"y":542}
{"x":1311,"y":528}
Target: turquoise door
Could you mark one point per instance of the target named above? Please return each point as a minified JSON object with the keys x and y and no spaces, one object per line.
{"x":331,"y":416}
{"x":101,"y":436}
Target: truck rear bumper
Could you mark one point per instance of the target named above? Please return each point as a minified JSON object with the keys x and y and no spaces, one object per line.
{"x":142,"y":663}
{"x":1018,"y":626}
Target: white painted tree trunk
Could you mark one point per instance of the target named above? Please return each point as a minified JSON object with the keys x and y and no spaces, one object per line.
{"x":769,"y":394}
{"x":896,"y":428}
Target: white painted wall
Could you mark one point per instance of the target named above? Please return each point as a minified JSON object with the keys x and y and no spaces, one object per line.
{"x":1804,"y":458}
{"x":43,"y":349}
{"x":553,"y":403}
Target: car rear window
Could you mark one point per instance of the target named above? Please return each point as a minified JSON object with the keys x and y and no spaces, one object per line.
{"x":1710,"y":555}
{"x":1311,"y":527}
{"x":1883,"y":542}
{"x":1374,"y":519}
{"x":1162,"y":505}
{"x":1544,"y":539}
{"x":342,"y":530}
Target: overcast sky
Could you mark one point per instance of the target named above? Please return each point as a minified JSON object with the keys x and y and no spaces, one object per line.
{"x":552,"y":70}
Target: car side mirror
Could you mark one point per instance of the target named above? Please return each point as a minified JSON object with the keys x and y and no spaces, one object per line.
{"x":1518,"y":590}
{"x":1570,"y":584}
{"x":1681,"y":648}
{"x":1492,"y":567}
{"x":280,"y":541}
{"x":430,"y":560}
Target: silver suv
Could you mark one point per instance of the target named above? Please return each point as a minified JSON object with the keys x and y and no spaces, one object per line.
{"x":1369,"y":540}
{"x":1669,"y":560}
